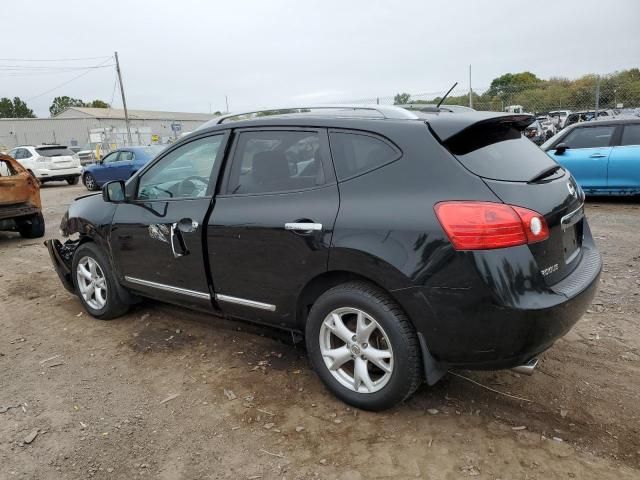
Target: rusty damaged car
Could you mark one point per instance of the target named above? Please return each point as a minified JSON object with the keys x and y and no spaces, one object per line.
{"x":20,"y":206}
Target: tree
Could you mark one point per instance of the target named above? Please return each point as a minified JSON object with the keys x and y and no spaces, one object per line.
{"x":98,"y":104}
{"x":15,"y":109}
{"x":401,"y":99}
{"x":512,"y":83}
{"x":60,"y":104}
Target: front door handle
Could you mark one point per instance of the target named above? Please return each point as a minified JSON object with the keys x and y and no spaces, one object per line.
{"x":182,"y":246}
{"x":597,"y":155}
{"x":303,"y":226}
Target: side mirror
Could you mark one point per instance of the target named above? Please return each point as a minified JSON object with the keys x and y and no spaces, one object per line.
{"x":114,"y":192}
{"x":560,"y":148}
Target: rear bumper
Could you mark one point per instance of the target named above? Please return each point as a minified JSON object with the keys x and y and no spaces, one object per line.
{"x":17,"y":210}
{"x":57,"y":174}
{"x":499,"y":317}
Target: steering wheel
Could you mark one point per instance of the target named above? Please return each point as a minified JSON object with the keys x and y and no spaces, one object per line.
{"x":187,"y":183}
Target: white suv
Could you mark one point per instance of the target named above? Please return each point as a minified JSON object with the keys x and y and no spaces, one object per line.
{"x":49,"y":162}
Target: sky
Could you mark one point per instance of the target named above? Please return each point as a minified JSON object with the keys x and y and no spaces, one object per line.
{"x":188,"y":55}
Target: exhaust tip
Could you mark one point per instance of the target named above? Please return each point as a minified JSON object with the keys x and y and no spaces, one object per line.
{"x":527,"y":368}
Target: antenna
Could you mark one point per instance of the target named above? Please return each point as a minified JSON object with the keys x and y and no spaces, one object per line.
{"x":446,"y":95}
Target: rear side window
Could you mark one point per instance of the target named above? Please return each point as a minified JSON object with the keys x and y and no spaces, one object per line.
{"x":276,"y":161}
{"x":590,"y":137}
{"x":355,"y":153}
{"x":631,"y":135}
{"x":54,"y":151}
{"x":6,"y":170}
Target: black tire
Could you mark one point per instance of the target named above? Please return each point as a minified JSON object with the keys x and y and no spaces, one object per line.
{"x":73,"y":180}
{"x":114,"y":305}
{"x":90,"y":182}
{"x":406,"y":375}
{"x":32,"y":226}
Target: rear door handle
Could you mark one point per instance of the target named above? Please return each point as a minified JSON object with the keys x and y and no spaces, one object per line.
{"x":303,"y":226}
{"x":597,"y":155}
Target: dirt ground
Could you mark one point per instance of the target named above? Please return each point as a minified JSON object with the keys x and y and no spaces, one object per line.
{"x":144,"y":396}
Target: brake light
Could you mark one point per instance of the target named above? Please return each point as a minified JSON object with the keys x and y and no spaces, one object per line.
{"x":488,"y":225}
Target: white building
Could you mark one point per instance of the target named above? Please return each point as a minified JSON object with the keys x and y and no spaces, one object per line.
{"x":74,"y":126}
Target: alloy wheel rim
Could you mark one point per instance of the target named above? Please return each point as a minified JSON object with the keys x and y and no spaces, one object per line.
{"x":92,"y":283}
{"x":89,"y":182}
{"x":356,"y":350}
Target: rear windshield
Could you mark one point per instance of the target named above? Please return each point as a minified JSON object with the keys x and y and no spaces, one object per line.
{"x":502,"y":156}
{"x":54,"y":151}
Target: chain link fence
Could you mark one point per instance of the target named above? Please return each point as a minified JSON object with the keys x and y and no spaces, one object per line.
{"x":620,"y":93}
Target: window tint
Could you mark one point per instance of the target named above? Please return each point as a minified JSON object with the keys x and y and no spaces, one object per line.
{"x":6,"y":170}
{"x":631,"y":134}
{"x":54,"y":151}
{"x":589,"y":137}
{"x":276,"y":161}
{"x":112,"y":157}
{"x":24,"y":153}
{"x":354,"y":153}
{"x":183,"y":173}
{"x":125,"y":157}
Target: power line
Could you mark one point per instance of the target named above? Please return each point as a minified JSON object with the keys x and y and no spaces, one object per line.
{"x":67,"y":82}
{"x":52,"y":59}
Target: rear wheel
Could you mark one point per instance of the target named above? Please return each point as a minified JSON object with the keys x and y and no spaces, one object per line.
{"x":73,"y":180}
{"x":90,"y":182}
{"x":32,"y":226}
{"x":363,"y":346}
{"x":95,"y":283}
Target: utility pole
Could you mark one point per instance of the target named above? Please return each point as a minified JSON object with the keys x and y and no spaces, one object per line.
{"x":124,"y":102}
{"x":226,"y":101}
{"x":597,"y":96}
{"x":470,"y":90}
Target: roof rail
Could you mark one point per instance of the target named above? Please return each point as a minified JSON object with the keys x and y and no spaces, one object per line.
{"x":378,"y":111}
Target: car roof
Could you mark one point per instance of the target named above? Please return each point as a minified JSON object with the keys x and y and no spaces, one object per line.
{"x":445,"y":124}
{"x":616,"y":121}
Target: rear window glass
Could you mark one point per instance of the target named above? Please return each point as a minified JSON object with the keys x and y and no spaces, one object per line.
{"x":354,"y":153}
{"x":590,"y":137}
{"x":54,"y":151}
{"x":506,"y":155}
{"x":631,"y":135}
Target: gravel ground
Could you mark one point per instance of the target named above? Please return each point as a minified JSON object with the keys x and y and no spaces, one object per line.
{"x":171,"y":394}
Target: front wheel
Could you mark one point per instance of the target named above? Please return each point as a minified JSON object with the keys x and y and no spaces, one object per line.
{"x":95,"y":283}
{"x":363,"y":347}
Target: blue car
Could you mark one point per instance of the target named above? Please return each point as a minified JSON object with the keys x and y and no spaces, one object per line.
{"x":603,"y":155}
{"x":118,"y":165}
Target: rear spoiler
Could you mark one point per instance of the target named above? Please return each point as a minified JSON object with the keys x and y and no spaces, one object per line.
{"x":464,"y":132}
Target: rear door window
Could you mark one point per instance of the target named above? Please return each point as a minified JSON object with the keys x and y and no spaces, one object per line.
{"x":631,"y":135}
{"x":356,"y":153}
{"x":126,"y":156}
{"x":590,"y":137}
{"x":276,"y":161}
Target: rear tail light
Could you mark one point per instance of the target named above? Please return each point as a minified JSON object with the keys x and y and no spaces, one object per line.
{"x":487,"y":225}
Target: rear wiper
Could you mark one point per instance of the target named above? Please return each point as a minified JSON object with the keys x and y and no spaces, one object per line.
{"x":544,"y":173}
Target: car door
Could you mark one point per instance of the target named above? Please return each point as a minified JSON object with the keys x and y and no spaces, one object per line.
{"x":103,"y":172}
{"x":271,"y":225}
{"x":587,"y":154}
{"x":121,"y":168}
{"x":157,"y":234}
{"x":624,"y":161}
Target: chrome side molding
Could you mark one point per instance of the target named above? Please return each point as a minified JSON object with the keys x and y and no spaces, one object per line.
{"x":245,"y":302}
{"x":169,"y":288}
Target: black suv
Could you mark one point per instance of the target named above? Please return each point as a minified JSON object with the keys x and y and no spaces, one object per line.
{"x":400,"y":244}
